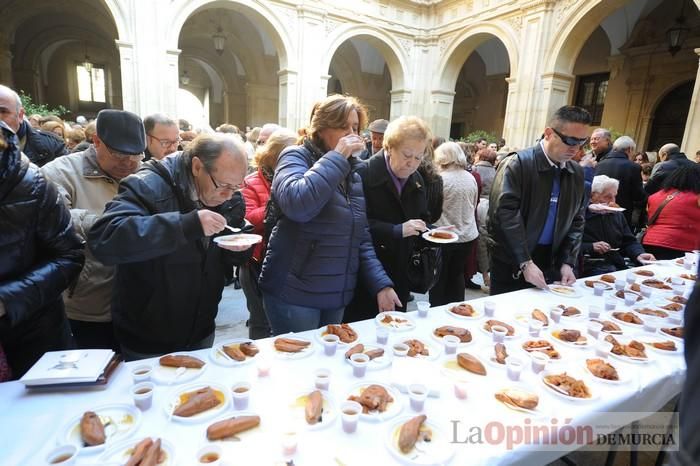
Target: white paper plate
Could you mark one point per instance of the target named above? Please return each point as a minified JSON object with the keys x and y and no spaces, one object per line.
{"x":165,"y":375}
{"x":640,"y":298}
{"x":606,"y":208}
{"x":381,"y":362}
{"x":239,"y":239}
{"x":405,"y":325}
{"x":622,"y":373}
{"x":526,"y":352}
{"x":582,"y":284}
{"x":648,"y":341}
{"x":452,"y":369}
{"x":563,"y":396}
{"x":537,"y":412}
{"x":636,"y":272}
{"x":123,"y":421}
{"x":393,"y":408}
{"x":666,"y":335}
{"x":306,"y":352}
{"x":478,"y":313}
{"x":324,"y":331}
{"x":586,"y":344}
{"x":121,"y":452}
{"x":453,"y":237}
{"x":626,"y":324}
{"x":217,"y":355}
{"x":433,"y":350}
{"x":174,"y":400}
{"x":241,"y":437}
{"x":625,"y":341}
{"x":490,"y":356}
{"x":439,"y":341}
{"x":516,"y":333}
{"x":439,"y":450}
{"x":296,"y":408}
{"x":523,"y":318}
{"x":564,"y":291}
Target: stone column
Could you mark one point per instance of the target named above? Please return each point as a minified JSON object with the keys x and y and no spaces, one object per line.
{"x":691,"y":136}
{"x":6,"y":64}
{"x":400,"y":101}
{"x":288,"y":115}
{"x":170,"y":81}
{"x":441,"y":102}
{"x":261,"y":100}
{"x":130,"y":92}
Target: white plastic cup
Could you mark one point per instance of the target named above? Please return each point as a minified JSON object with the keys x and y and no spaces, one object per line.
{"x":689,"y":257}
{"x":646,"y":291}
{"x":539,"y":361}
{"x":489,"y":308}
{"x":677,"y":281}
{"x":610,"y":303}
{"x":423,"y":307}
{"x":451,"y":343}
{"x":603,"y":348}
{"x":594,"y":311}
{"x":382,"y":335}
{"x":460,"y":389}
{"x":350,"y":414}
{"x":359,"y":363}
{"x":678,"y":290}
{"x":142,"y":373}
{"x":143,"y":395}
{"x":631,"y":277}
{"x":534,"y":327}
{"x":263,"y":366}
{"x":594,"y":329}
{"x":241,"y":395}
{"x":498,"y":333}
{"x":514,"y":367}
{"x":555,"y":313}
{"x":630,"y":298}
{"x":599,"y":288}
{"x":209,"y":454}
{"x":322,"y":379}
{"x":651,"y":324}
{"x":676,"y":319}
{"x":290,"y":441}
{"x":417,"y":394}
{"x":330,"y":344}
{"x":400,"y":349}
{"x":619,"y":284}
{"x":63,"y":455}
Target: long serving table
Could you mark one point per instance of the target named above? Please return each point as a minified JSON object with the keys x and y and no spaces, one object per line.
{"x":34,"y":423}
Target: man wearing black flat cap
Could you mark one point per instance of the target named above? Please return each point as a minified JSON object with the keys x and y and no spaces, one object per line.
{"x":87,"y":181}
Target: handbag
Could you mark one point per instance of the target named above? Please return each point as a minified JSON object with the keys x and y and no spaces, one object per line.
{"x":669,"y":198}
{"x":424,"y":265}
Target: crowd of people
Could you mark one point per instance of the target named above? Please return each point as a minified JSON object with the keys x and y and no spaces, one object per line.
{"x":108,"y":227}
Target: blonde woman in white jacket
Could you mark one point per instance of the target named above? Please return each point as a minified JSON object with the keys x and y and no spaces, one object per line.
{"x":460,"y":196}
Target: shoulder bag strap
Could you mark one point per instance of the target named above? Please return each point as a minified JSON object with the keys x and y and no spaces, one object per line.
{"x":165,"y":174}
{"x":668,"y":199}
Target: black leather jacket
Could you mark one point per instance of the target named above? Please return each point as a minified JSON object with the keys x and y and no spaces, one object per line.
{"x":42,"y":147}
{"x":518,"y":207}
{"x":40,"y":255}
{"x":169,"y":276}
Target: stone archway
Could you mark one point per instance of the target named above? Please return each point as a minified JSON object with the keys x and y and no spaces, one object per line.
{"x":390,"y":96}
{"x":498,"y":40}
{"x":260,"y":83}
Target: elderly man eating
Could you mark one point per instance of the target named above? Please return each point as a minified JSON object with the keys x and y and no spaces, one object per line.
{"x":607,"y":238}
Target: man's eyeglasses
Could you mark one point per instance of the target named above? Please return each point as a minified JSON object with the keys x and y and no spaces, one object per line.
{"x":570,"y":140}
{"x":223,"y":186}
{"x":122,"y":156}
{"x":165,"y":143}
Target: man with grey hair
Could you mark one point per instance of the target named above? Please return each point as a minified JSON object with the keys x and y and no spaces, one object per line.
{"x":39,"y":146}
{"x":161,"y":234}
{"x":618,"y":164}
{"x":265,"y":133}
{"x":162,"y":134}
{"x":607,"y":239}
{"x":670,"y":158}
{"x":600,"y":143}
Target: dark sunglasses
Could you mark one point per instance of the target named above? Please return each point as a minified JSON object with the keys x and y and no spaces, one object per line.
{"x":570,"y":140}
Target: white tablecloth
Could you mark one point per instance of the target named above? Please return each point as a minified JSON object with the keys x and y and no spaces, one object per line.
{"x":31,"y":422}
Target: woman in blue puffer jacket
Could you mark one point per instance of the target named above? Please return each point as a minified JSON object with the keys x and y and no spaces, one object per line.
{"x":321,"y":242}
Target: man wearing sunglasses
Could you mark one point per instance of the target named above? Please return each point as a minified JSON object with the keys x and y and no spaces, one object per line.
{"x":87,"y":181}
{"x":536,"y":208}
{"x":158,"y":232}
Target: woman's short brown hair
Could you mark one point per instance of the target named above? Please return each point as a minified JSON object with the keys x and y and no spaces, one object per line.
{"x":487,"y":155}
{"x":50,"y":126}
{"x":333,"y":112}
{"x":266,"y":156}
{"x":406,"y":127}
